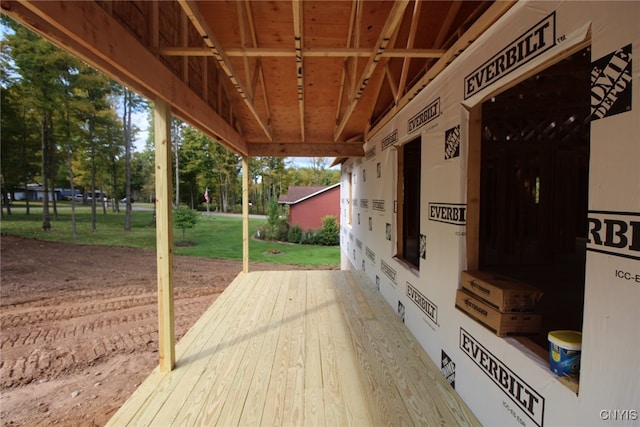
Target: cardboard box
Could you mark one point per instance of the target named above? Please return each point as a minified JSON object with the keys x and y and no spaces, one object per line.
{"x":501,"y":292}
{"x":502,"y":324}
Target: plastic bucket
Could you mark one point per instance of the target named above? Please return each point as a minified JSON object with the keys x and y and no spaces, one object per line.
{"x":565,"y":348}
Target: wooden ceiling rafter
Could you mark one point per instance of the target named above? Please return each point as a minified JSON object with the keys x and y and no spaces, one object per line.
{"x":259,"y":71}
{"x":391,"y":81}
{"x":306,"y":52}
{"x":389,"y":29}
{"x":154,"y":30}
{"x":255,"y":79}
{"x":298,"y":20}
{"x":345,"y":87}
{"x":417,"y":6}
{"x":184,"y":39}
{"x":193,"y":12}
{"x":357,"y":25}
{"x":344,"y":76}
{"x":379,"y":82}
{"x":205,"y":80}
{"x":484,"y":21}
{"x":295,"y":149}
{"x":445,"y":28}
{"x":245,"y":58}
{"x":479,"y":10}
{"x":398,"y":90}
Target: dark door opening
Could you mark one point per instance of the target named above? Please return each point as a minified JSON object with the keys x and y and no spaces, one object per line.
{"x":409,"y":197}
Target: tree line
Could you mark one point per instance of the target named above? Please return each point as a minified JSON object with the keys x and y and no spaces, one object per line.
{"x":61,"y":126}
{"x":66,"y":125}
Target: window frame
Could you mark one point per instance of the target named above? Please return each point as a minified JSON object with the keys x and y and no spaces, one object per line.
{"x":474,"y":189}
{"x":401,"y":249}
{"x":350,"y":199}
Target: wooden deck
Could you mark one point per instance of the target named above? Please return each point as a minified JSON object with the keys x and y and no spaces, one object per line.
{"x":297,"y":348}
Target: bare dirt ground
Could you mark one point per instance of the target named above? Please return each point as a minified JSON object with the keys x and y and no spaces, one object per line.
{"x":78,"y":325}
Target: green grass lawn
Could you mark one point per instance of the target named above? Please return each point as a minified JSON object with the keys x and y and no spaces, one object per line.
{"x":214,"y":236}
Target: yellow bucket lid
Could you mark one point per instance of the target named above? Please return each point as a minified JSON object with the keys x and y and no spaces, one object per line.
{"x":570,"y":340}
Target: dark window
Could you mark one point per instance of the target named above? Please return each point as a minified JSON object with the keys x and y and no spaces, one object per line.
{"x":409,"y":160}
{"x":534,"y":187}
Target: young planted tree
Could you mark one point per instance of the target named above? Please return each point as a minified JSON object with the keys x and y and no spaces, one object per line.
{"x":184,"y":218}
{"x":278,"y":228}
{"x":330,"y":232}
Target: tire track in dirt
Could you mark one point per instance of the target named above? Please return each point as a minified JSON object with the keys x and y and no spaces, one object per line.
{"x":79,"y":327}
{"x":58,"y":342}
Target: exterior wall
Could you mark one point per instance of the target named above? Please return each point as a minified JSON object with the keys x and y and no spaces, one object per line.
{"x":503,"y":382}
{"x":308,"y":213}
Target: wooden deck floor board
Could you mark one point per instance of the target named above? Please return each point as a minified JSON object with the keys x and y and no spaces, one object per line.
{"x":256,"y":395}
{"x":149,"y":395}
{"x":346,"y":374}
{"x":297,"y":348}
{"x":275,"y":404}
{"x":313,"y":396}
{"x":381,"y":382}
{"x":417,"y":364}
{"x":295,"y":393}
{"x":252,"y":356}
{"x":216,"y":387}
{"x":214,"y":331}
{"x":332,"y":394}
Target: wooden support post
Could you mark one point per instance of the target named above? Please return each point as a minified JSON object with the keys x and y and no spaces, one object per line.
{"x":164,"y":235}
{"x":245,"y":214}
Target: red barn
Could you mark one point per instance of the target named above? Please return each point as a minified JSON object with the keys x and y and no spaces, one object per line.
{"x":309,"y":204}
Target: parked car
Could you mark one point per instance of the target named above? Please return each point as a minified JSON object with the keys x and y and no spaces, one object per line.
{"x":124,"y":200}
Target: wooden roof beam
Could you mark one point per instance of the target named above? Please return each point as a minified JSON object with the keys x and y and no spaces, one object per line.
{"x":301,"y":149}
{"x":407,"y":60}
{"x":184,"y":38}
{"x":345,"y":69}
{"x":297,"y":34}
{"x":259,"y":73}
{"x":90,"y":33}
{"x":389,"y":78}
{"x":245,"y":58}
{"x":390,"y":27}
{"x":493,"y":13}
{"x":190,"y":7}
{"x":454,"y":8}
{"x":356,"y":43}
{"x":440,"y":40}
{"x":309,"y":51}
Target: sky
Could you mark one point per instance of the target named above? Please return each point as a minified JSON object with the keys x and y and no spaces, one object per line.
{"x":141,"y":121}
